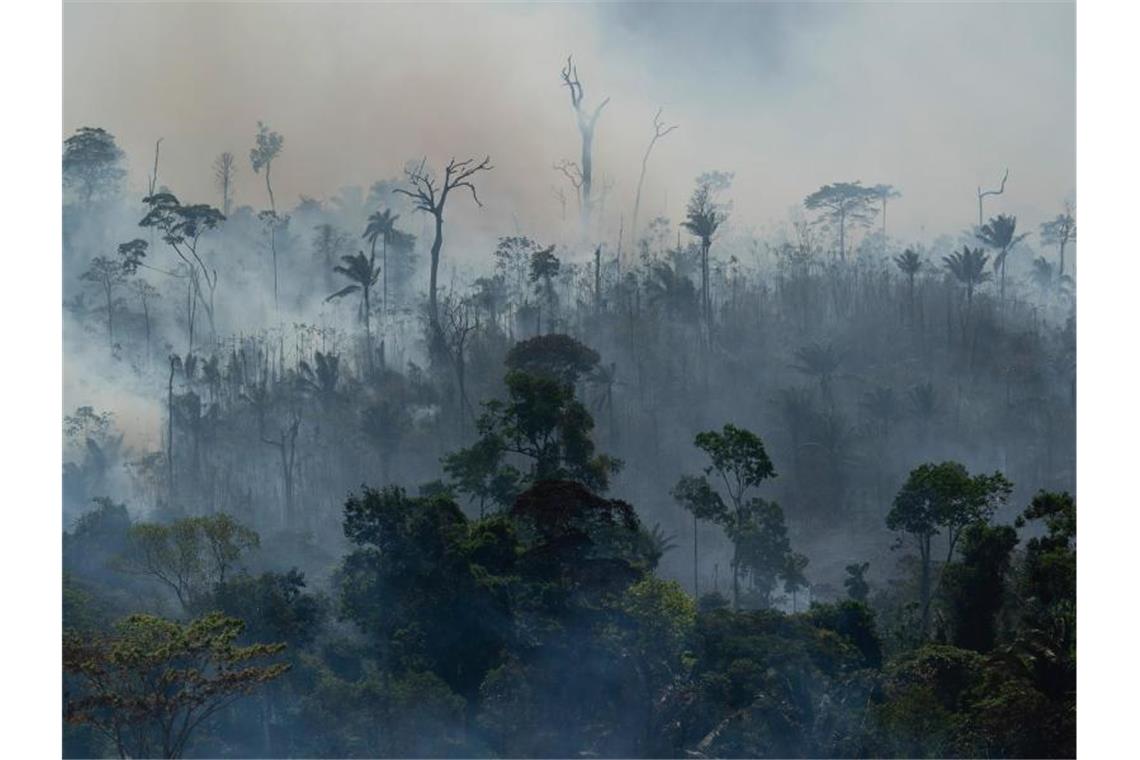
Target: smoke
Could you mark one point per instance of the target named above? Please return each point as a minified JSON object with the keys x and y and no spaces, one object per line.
{"x":790,"y":97}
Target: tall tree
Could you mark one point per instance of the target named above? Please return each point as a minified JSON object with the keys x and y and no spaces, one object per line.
{"x":224,"y":170}
{"x":108,"y":275}
{"x":982,"y":194}
{"x":92,"y":164}
{"x":182,"y":228}
{"x":885,"y":193}
{"x":844,"y":204}
{"x":909,"y":264}
{"x":380,"y":226}
{"x":430,"y":196}
{"x":739,"y":463}
{"x":659,"y":131}
{"x":1060,"y":231}
{"x":267,"y":147}
{"x":363,"y":274}
{"x":1000,"y":233}
{"x":587,"y":121}
{"x":703,"y":217}
{"x":943,"y":499}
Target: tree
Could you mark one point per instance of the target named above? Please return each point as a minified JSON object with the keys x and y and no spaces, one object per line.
{"x":587,"y":121}
{"x":986,"y":193}
{"x":939,"y":498}
{"x":182,"y":228}
{"x":659,"y":131}
{"x":703,"y":217}
{"x":381,"y":225}
{"x":855,"y":582}
{"x":909,"y":264}
{"x":968,"y":267}
{"x":544,"y":266}
{"x":108,"y":275}
{"x":1000,"y":234}
{"x":92,"y":164}
{"x":555,"y":356}
{"x":267,"y":147}
{"x":1060,"y":231}
{"x":363,"y":274}
{"x":430,"y":196}
{"x":540,"y":421}
{"x":148,"y":686}
{"x":737,"y":459}
{"x":975,"y":587}
{"x":843,"y":204}
{"x":821,"y":361}
{"x":189,"y":556}
{"x":224,"y":170}
{"x":884,"y":193}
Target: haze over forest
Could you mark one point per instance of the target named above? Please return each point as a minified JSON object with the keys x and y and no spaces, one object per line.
{"x":546,"y":380}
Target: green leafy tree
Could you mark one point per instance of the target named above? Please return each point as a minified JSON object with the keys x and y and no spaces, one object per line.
{"x":92,"y":164}
{"x":943,"y":499}
{"x":738,"y":464}
{"x":149,"y":685}
{"x":974,"y":587}
{"x":189,"y":556}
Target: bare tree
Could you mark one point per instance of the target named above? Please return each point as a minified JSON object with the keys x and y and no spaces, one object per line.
{"x":586,"y":123}
{"x":573,"y":174}
{"x":984,"y":193}
{"x":659,"y":131}
{"x":430,"y":196}
{"x":224,"y":170}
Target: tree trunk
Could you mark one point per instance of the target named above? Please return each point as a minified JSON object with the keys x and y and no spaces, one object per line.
{"x":433,"y":305}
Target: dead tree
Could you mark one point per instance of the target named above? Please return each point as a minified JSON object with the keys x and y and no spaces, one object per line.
{"x":659,"y":131}
{"x":458,"y":328}
{"x":573,"y":174}
{"x":286,"y":445}
{"x":586,"y":122}
{"x":430,"y":196}
{"x":983,"y":193}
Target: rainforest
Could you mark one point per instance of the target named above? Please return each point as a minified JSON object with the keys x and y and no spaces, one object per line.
{"x":557,"y":383}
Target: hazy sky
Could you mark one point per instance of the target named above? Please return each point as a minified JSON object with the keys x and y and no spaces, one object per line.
{"x":933,"y":98}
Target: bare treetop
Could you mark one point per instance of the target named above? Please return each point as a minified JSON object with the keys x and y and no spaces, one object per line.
{"x":430,"y":196}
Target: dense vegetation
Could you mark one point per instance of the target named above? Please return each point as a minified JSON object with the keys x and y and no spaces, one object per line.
{"x":702,"y":494}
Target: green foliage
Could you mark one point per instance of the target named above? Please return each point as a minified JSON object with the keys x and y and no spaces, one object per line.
{"x":974,"y":587}
{"x":189,"y":556}
{"x":148,"y":686}
{"x":542,"y":421}
{"x":555,"y":356}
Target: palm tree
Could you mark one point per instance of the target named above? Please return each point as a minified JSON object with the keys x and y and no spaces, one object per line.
{"x":882,"y":406}
{"x":363,"y":273}
{"x":703,"y":217}
{"x":1045,"y":276}
{"x":1000,"y":234}
{"x":819,"y":360}
{"x":969,"y":267}
{"x":909,"y":262}
{"x":380,"y":226}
